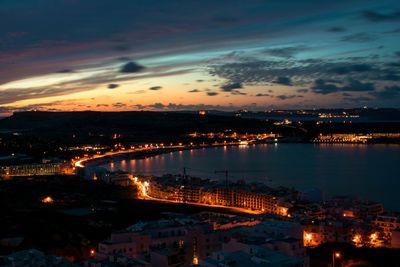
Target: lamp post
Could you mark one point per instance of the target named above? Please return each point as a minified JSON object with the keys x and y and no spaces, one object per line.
{"x":335,"y":255}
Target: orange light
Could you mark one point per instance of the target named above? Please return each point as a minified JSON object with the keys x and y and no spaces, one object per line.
{"x":308,"y":236}
{"x":92,"y":252}
{"x":337,"y":255}
{"x":48,"y":200}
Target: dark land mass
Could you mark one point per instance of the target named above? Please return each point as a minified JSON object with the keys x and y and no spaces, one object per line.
{"x":43,"y":133}
{"x":138,"y":126}
{"x":84,"y":213}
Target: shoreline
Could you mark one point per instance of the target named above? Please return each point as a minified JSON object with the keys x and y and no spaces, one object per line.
{"x":133,"y":155}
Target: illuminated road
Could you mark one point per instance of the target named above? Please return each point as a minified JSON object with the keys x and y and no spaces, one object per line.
{"x":81,"y":162}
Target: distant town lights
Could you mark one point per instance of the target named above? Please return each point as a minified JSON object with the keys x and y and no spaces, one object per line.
{"x":47,"y":200}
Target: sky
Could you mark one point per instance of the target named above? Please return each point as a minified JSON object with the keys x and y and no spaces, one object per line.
{"x":115,"y":55}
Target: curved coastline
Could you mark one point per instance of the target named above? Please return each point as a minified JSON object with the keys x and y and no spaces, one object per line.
{"x":93,"y":162}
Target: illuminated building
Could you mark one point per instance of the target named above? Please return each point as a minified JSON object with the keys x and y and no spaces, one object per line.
{"x":183,"y":241}
{"x":216,"y":195}
{"x":35,"y":169}
{"x":321,"y":232}
{"x":388,"y":223}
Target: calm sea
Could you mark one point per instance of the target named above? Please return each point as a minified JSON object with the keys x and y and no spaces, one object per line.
{"x":365,"y":171}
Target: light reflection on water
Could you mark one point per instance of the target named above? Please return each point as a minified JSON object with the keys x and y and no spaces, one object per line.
{"x":367,"y":171}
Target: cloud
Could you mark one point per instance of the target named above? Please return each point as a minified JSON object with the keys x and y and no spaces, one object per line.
{"x":231,"y":86}
{"x":374,"y":16}
{"x":112,"y":86}
{"x":285,"y":52}
{"x":131,"y":67}
{"x":302,"y":90}
{"x":194,"y":91}
{"x":285,"y":97}
{"x":304,"y":72}
{"x":195,"y":107}
{"x":155,"y":88}
{"x":65,"y":71}
{"x":389,"y":92}
{"x":237,"y":92}
{"x":327,"y":87}
{"x":119,"y":105}
{"x":260,"y":94}
{"x":102,"y":105}
{"x":348,"y":68}
{"x":361,"y":37}
{"x":212,"y":93}
{"x":283,"y":80}
{"x":389,"y":76}
{"x":336,"y":29}
{"x":157,"y":106}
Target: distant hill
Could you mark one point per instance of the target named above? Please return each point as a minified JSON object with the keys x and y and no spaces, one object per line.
{"x":135,"y":124}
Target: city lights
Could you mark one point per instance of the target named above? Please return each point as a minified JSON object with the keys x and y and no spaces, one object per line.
{"x":47,"y":200}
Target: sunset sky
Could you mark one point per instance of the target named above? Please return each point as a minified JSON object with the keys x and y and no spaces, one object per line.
{"x":189,"y":55}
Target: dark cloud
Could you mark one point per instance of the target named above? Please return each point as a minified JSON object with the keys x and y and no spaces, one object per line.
{"x":157,"y":106}
{"x":199,"y":81}
{"x":397,"y":53}
{"x":231,"y":86}
{"x":112,"y":86}
{"x":260,"y":94}
{"x":155,"y":88}
{"x":102,"y":105}
{"x":175,"y":106}
{"x":388,"y":92}
{"x":374,"y":16}
{"x":355,"y":85}
{"x":348,"y":68}
{"x":389,"y":76}
{"x":118,"y":105}
{"x":194,"y":91}
{"x":285,"y":97}
{"x":212,"y":93}
{"x":283,"y":80}
{"x":337,"y":29}
{"x":327,"y":87}
{"x":393,"y":64}
{"x":361,"y":37}
{"x":305,"y":72}
{"x":285,"y":52}
{"x":131,"y":67}
{"x":302,"y":90}
{"x":237,"y":92}
{"x":65,"y":71}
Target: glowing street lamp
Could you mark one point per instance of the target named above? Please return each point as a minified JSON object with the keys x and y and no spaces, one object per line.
{"x":335,"y":255}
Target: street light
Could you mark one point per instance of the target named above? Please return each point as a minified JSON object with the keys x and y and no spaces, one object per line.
{"x":335,"y":255}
